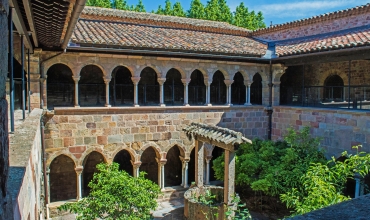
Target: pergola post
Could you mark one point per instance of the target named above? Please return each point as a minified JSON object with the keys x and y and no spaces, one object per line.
{"x":229,"y":177}
{"x":199,"y":163}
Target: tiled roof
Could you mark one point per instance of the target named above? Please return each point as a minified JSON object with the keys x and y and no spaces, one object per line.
{"x":315,"y":19}
{"x":142,"y":18}
{"x":356,"y":37}
{"x":135,"y":36}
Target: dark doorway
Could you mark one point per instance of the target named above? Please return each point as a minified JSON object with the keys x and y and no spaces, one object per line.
{"x":89,"y":168}
{"x":256,"y":90}
{"x":148,"y":87}
{"x":91,"y":86}
{"x":60,"y":86}
{"x":218,"y":89}
{"x":63,"y":179}
{"x":149,"y":164}
{"x":173,"y":88}
{"x":197,"y":89}
{"x":173,"y":167}
{"x":334,"y":88}
{"x":238,"y":90}
{"x":123,"y":158}
{"x":121,"y":88}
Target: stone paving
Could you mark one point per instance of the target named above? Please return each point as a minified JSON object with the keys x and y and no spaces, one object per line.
{"x":170,"y":210}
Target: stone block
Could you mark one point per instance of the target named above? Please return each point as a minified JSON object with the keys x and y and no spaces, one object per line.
{"x":127,"y":138}
{"x":89,"y":140}
{"x":102,"y":140}
{"x":58,"y":142}
{"x":114,"y":139}
{"x":90,"y":125}
{"x":139,"y":137}
{"x":79,"y":140}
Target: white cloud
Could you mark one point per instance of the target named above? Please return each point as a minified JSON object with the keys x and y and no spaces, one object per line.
{"x":305,"y":8}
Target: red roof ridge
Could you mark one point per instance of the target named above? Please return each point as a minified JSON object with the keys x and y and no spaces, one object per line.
{"x":144,"y":18}
{"x":315,"y":19}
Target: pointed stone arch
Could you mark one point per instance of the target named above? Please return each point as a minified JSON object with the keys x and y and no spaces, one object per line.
{"x":68,"y":154}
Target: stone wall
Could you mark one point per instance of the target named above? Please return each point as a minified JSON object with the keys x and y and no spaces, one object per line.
{"x":339,"y":129}
{"x":25,"y":171}
{"x":77,"y":132}
{"x":5,"y":207}
{"x":309,"y":28}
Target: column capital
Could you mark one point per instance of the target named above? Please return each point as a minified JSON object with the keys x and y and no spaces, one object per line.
{"x":247,"y":83}
{"x":107,"y":80}
{"x":161,"y":161}
{"x":228,"y":82}
{"x":208,"y":158}
{"x":76,"y":78}
{"x":207,"y":83}
{"x":135,"y":79}
{"x":185,"y":81}
{"x":135,"y":164}
{"x":161,"y":80}
{"x":79,"y":169}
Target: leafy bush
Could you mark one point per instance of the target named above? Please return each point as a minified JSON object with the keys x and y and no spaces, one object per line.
{"x":323,"y":184}
{"x":116,"y":195}
{"x":274,"y":167}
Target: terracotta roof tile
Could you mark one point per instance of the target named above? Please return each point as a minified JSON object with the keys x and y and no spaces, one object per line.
{"x":356,"y":37}
{"x":123,"y":35}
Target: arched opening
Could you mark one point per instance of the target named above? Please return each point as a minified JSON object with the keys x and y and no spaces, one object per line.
{"x":191,"y":167}
{"x":121,"y":87}
{"x":173,"y":88}
{"x":63,"y":179}
{"x":291,"y":86}
{"x":149,"y":164}
{"x":333,"y":88}
{"x":91,"y":87}
{"x":123,"y":158}
{"x":197,"y":89}
{"x":218,"y":89}
{"x":89,"y":168}
{"x":173,"y":167}
{"x":238,"y":90}
{"x":217,"y":152}
{"x":60,"y":86}
{"x":256,"y":90}
{"x":148,"y":87}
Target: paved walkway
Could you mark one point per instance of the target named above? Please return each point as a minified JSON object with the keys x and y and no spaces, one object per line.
{"x":170,"y":210}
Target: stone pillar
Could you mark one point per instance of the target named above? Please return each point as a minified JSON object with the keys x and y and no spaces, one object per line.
{"x":107,"y":81}
{"x":35,"y":96}
{"x":43,"y":99}
{"x":276,"y":94}
{"x":265,"y":93}
{"x":186,"y":171}
{"x":208,"y":90}
{"x":136,"y":80}
{"x":247,"y":93}
{"x":229,"y":177}
{"x":161,"y":164}
{"x":186,"y":91}
{"x":184,"y":180}
{"x":76,"y":79}
{"x":161,"y":92}
{"x":208,"y":161}
{"x":136,"y":168}
{"x":199,"y":163}
{"x":228,"y":84}
{"x":79,"y":170}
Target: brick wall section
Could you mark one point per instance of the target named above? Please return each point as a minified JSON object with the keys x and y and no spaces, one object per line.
{"x":316,"y":28}
{"x":339,"y":129}
{"x":76,"y":132}
{"x":24,"y":183}
{"x":5,"y":201}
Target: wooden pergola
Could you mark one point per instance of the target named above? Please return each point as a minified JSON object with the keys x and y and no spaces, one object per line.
{"x":224,"y":138}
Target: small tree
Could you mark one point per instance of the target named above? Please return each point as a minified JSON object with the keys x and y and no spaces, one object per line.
{"x":116,"y":195}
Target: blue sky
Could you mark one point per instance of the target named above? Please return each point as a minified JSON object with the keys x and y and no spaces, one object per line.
{"x":277,"y":11}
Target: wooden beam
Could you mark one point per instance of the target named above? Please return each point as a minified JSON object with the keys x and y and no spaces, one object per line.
{"x":30,"y":18}
{"x":19,"y":24}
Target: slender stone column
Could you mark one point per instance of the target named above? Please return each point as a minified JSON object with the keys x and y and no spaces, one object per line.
{"x":161,"y":92}
{"x":136,"y":80}
{"x":208,"y":161}
{"x":186,"y":91}
{"x":229,"y":177}
{"x":186,"y":171}
{"x":199,"y":163}
{"x":107,"y":81}
{"x":228,"y":84}
{"x":161,"y":163}
{"x":247,"y":93}
{"x":79,"y":170}
{"x":76,"y":79}
{"x":136,"y":168}
{"x":208,"y":90}
{"x":48,"y":183}
{"x":276,"y":94}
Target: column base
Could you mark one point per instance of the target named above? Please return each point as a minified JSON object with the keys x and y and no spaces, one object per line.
{"x":186,"y":105}
{"x":77,"y":106}
{"x":108,"y":106}
{"x":246,"y":104}
{"x":136,"y":105}
{"x":208,"y":104}
{"x":186,"y":186}
{"x":229,"y":104}
{"x":162,"y":105}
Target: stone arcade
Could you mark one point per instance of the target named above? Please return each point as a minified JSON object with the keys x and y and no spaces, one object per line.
{"x":121,"y":86}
